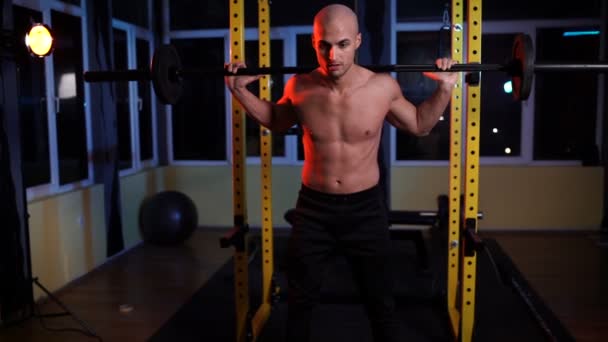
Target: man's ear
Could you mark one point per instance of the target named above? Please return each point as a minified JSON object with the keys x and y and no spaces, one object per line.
{"x":358,"y":40}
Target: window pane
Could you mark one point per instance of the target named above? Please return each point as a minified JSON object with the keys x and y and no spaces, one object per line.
{"x":420,"y":48}
{"x":132,"y":11}
{"x":199,"y":118}
{"x":306,"y":56}
{"x":565,"y":103}
{"x":72,"y":2}
{"x":32,"y":105}
{"x":500,"y":114}
{"x":210,"y":14}
{"x":144,"y":91}
{"x":185,"y":14}
{"x":123,"y":112}
{"x":253,"y":129}
{"x":189,"y":15}
{"x":432,"y":10}
{"x":286,"y":13}
{"x":69,"y":92}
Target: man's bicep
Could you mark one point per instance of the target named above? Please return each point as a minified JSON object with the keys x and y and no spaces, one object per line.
{"x":284,"y":115}
{"x":402,"y":114}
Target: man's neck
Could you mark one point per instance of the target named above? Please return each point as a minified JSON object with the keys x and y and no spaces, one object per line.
{"x":344,"y":82}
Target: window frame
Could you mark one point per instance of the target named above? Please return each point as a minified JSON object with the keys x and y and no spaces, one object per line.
{"x":527,"y":26}
{"x":278,"y":33}
{"x":133,"y":33}
{"x":289,"y":36}
{"x":54,"y":187}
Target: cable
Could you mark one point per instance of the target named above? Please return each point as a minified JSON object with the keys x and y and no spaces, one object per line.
{"x":40,"y":317}
{"x":88,"y":331}
{"x":513,"y":282}
{"x":494,"y":266}
{"x":525,"y":296}
{"x":252,"y":254}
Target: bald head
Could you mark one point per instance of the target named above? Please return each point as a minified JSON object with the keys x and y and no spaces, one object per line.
{"x":336,"y":39}
{"x":336,"y":15}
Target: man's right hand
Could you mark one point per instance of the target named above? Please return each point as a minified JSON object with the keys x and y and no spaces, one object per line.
{"x":238,"y":82}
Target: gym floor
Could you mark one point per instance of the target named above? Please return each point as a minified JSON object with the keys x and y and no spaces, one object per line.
{"x":130,"y":297}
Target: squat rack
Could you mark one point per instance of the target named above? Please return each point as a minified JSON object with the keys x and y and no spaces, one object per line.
{"x":249,"y":323}
{"x":462,"y":241}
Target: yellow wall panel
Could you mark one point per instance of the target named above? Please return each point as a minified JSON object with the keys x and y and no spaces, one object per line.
{"x":68,"y":231}
{"x":134,"y":189}
{"x":513,"y":197}
{"x":67,"y":236}
{"x":211,"y":190}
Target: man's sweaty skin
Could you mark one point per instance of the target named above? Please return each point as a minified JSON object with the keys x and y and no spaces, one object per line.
{"x":341,"y":107}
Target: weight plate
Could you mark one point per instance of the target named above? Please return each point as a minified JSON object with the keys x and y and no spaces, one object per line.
{"x":523,"y":61}
{"x":163,"y":72}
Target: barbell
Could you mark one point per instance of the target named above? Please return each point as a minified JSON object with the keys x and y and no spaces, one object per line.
{"x":166,"y":72}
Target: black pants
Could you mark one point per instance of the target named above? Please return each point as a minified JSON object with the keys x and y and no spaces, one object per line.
{"x":357,"y":225}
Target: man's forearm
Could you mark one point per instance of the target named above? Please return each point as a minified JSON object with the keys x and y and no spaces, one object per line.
{"x":258,"y":109}
{"x":431,"y":109}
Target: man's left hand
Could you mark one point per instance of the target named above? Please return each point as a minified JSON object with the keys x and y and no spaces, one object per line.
{"x":447,"y":78}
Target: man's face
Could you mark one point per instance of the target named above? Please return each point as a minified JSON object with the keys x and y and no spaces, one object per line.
{"x":335,"y":44}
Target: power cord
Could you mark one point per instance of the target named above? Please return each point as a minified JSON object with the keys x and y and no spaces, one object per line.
{"x":41,"y":317}
{"x":86,"y":331}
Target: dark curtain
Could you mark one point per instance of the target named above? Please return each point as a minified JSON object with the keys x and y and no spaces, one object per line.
{"x":105,"y":133}
{"x":16,"y":294}
{"x":604,"y":55}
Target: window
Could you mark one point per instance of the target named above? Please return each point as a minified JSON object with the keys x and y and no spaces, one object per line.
{"x":542,"y":128}
{"x":71,"y":122}
{"x":213,"y":14}
{"x":33,"y":114}
{"x":185,"y":15}
{"x":431,"y":10}
{"x":135,"y":12}
{"x":501,"y":115}
{"x":501,"y":123}
{"x":199,"y":117}
{"x":420,"y":48}
{"x":72,"y":2}
{"x":566,"y":103}
{"x":54,"y":118}
{"x":135,"y":103}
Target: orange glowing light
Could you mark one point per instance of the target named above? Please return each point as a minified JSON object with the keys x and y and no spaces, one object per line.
{"x":39,"y":40}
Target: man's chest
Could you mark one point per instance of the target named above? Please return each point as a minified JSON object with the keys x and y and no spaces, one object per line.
{"x":349,"y":116}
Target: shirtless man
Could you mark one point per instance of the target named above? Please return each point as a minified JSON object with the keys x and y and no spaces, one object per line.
{"x":341,"y":108}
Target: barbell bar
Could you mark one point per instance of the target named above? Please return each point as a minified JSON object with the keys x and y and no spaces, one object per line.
{"x":166,"y":72}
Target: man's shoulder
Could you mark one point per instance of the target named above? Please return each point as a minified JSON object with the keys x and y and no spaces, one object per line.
{"x":303,"y":81}
{"x":379,"y":78}
{"x":305,"y":77}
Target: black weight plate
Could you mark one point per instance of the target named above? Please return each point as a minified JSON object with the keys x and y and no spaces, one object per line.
{"x":523,"y":59}
{"x":163,"y":72}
